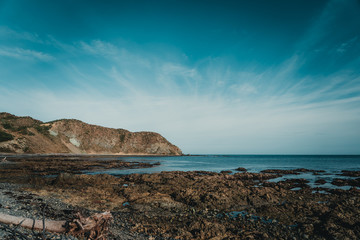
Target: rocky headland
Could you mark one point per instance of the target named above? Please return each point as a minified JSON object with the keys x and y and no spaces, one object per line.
{"x":27,"y":135}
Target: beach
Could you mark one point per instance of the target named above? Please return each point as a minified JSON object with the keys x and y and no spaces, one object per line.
{"x":191,"y":120}
{"x":234,"y":204}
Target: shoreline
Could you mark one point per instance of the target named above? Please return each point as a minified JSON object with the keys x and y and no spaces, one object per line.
{"x":189,"y":205}
{"x":216,"y":205}
{"x":168,"y":155}
{"x":88,"y":155}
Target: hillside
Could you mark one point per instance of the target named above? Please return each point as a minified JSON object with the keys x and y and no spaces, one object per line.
{"x":28,"y":135}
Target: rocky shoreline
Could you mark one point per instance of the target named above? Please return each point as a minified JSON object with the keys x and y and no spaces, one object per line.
{"x":191,"y":205}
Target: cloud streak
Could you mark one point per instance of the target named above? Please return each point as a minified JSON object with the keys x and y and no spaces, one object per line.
{"x":25,"y":54}
{"x":6,"y":32}
{"x":243,"y":118}
{"x":197,"y":123}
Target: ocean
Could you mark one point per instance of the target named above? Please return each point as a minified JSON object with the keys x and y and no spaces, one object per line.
{"x":331,"y":164}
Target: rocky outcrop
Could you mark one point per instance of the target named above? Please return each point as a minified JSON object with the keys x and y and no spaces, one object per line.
{"x":28,"y":135}
{"x":208,"y":205}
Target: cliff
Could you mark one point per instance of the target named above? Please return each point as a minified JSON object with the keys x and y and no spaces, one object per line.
{"x":28,"y":135}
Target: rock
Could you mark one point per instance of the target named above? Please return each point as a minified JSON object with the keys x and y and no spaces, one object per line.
{"x":209,"y":205}
{"x":320,"y":181}
{"x":350,"y":173}
{"x":280,"y":171}
{"x":66,"y":179}
{"x":346,"y":182}
{"x":241,"y":169}
{"x":293,"y":171}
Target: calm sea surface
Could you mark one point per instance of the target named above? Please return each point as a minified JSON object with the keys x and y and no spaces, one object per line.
{"x":332,"y":164}
{"x":253,"y":163}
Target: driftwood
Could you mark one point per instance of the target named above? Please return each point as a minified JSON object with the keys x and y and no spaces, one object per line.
{"x":50,"y":226}
{"x":94,"y":227}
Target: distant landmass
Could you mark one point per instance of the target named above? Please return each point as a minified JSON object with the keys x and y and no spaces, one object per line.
{"x":28,"y":135}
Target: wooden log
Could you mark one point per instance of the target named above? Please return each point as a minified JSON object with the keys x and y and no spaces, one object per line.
{"x":50,"y":225}
{"x":93,"y":227}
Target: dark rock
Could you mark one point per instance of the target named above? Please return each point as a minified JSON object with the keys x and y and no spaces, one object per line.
{"x":241,"y":169}
{"x":350,"y":173}
{"x":346,"y":182}
{"x":280,"y":171}
{"x":206,"y":205}
{"x":292,"y":171}
{"x":320,"y":181}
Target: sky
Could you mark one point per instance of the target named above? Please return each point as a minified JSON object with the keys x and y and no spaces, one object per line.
{"x":213,"y":77}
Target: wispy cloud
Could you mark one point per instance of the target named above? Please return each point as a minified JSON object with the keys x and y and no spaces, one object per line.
{"x":25,"y":54}
{"x":197,"y":122}
{"x":9,"y":33}
{"x":99,"y":47}
{"x":328,"y":46}
{"x":345,"y":46}
{"x":206,"y":106}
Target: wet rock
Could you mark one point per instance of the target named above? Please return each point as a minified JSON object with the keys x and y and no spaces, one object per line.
{"x":350,"y":173}
{"x":241,"y":169}
{"x":292,"y":171}
{"x":320,"y":181}
{"x":346,"y":182}
{"x":21,"y":169}
{"x":65,"y":179}
{"x":198,"y":205}
{"x":255,"y":176}
{"x":294,"y":183}
{"x":280,"y":171}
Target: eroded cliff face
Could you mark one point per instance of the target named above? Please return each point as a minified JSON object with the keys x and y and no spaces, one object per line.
{"x":28,"y":135}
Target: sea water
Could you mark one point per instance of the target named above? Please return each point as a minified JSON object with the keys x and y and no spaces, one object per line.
{"x":331,"y":164}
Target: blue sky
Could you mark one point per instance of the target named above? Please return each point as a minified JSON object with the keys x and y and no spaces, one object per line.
{"x":272,"y":77}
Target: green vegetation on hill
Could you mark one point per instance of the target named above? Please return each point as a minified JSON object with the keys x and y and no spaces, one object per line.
{"x":5,"y":150}
{"x":8,"y":116}
{"x":21,"y":129}
{"x":5,"y":136}
{"x":42,"y":129}
{"x":7,"y":125}
{"x":25,"y":131}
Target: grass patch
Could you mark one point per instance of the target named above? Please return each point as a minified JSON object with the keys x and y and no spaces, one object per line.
{"x":5,"y":150}
{"x":25,"y":131}
{"x":122,"y":137}
{"x":7,"y":125}
{"x":10,"y":117}
{"x":44,"y":130}
{"x":26,"y":149}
